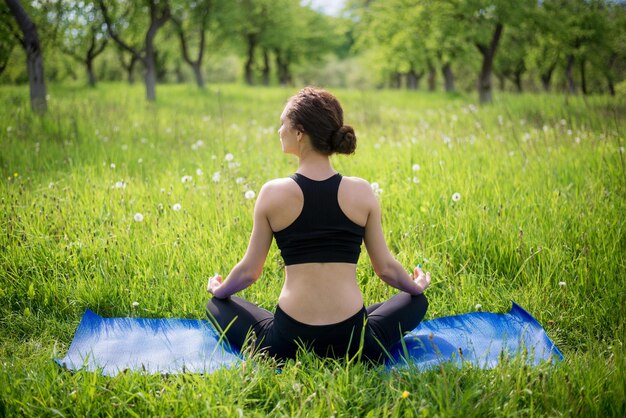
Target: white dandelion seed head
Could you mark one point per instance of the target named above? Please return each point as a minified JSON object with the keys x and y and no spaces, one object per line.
{"x":232,"y":165}
{"x":199,"y":172}
{"x":562,"y":285}
{"x":216,"y":177}
{"x":621,"y":149}
{"x":214,"y":157}
{"x":416,"y":180}
{"x":138,"y":217}
{"x":176,"y":207}
{"x":112,"y":166}
{"x":416,"y":167}
{"x":456,"y":197}
{"x":478,"y":307}
{"x":500,"y":120}
{"x":143,"y":140}
{"x":162,"y":190}
{"x":569,"y":132}
{"x":186,"y":179}
{"x":250,"y":194}
{"x":135,"y":304}
{"x":239,"y":180}
{"x":120,"y":184}
{"x":140,"y":161}
{"x":51,"y":185}
{"x":229,"y":157}
{"x":375,"y":186}
{"x":563,"y":122}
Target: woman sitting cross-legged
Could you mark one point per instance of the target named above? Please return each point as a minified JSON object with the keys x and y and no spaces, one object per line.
{"x":319,"y":220}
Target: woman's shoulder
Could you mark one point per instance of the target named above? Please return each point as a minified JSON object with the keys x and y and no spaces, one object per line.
{"x":280,"y":187}
{"x":357,"y":183}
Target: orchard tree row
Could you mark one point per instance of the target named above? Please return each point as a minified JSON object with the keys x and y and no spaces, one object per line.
{"x":271,"y":35}
{"x":580,"y":43}
{"x":416,"y":38}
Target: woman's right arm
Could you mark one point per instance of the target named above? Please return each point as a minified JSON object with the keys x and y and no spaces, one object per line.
{"x":385,"y":265}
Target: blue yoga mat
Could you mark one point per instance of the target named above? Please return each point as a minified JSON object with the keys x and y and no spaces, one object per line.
{"x":113,"y":345}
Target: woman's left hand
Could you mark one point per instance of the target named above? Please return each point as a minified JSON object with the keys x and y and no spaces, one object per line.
{"x":214,"y":283}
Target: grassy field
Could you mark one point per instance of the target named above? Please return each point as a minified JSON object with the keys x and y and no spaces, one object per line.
{"x":540,"y":220}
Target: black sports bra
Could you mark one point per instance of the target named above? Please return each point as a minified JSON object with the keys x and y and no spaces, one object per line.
{"x":322,"y":232}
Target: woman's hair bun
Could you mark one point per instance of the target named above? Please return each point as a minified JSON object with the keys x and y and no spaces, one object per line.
{"x":344,"y":140}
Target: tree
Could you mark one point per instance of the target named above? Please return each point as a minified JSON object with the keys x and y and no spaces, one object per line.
{"x":159,"y":13}
{"x":34,"y":56}
{"x":83,"y":35}
{"x":193,"y":17}
{"x":483,"y":23}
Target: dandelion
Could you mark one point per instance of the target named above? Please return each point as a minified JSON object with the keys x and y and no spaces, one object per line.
{"x":162,"y":190}
{"x":199,"y":172}
{"x":478,"y":307}
{"x":120,"y":184}
{"x":563,"y":122}
{"x":233,"y":165}
{"x":229,"y":157}
{"x":186,"y":179}
{"x":456,"y":197}
{"x":138,"y":217}
{"x":135,"y":304}
{"x":405,"y":394}
{"x":112,"y":166}
{"x":250,"y":194}
{"x":621,"y":149}
{"x":569,"y":132}
{"x":500,"y":120}
{"x":375,"y":186}
{"x":562,"y":285}
{"x":124,"y":147}
{"x":140,"y":161}
{"x":51,"y":185}
{"x":416,"y":180}
{"x":176,"y":207}
{"x":216,"y":177}
{"x":416,"y":167}
{"x":239,"y":180}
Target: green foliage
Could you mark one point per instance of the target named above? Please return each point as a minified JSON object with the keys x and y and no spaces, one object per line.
{"x":542,"y":187}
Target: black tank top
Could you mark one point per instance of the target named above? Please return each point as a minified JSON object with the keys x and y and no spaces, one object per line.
{"x":322,"y":232}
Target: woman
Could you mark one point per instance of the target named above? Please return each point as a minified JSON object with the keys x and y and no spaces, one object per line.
{"x":319,"y":220}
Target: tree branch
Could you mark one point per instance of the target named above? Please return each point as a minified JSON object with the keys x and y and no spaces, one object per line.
{"x":115,"y":36}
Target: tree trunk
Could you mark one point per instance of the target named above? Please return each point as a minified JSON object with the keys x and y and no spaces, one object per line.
{"x":583,"y":77}
{"x":411,"y":80}
{"x":546,"y":77}
{"x":266,"y":68}
{"x":432,"y":77}
{"x":251,"y":38}
{"x":488,"y":53}
{"x":396,"y":80}
{"x":34,"y":57}
{"x":569,"y":70}
{"x":197,"y":72}
{"x":517,"y":78}
{"x":130,"y":69}
{"x":91,"y":77}
{"x":448,"y":77}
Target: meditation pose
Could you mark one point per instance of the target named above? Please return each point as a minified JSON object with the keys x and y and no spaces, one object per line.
{"x":319,"y":220}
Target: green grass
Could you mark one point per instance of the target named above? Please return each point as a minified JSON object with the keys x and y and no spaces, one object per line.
{"x":542,"y":182}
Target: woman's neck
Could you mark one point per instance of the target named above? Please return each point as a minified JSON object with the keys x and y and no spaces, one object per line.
{"x":315,"y":166}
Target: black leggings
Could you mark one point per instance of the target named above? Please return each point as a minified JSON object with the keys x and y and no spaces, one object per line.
{"x":379,"y":326}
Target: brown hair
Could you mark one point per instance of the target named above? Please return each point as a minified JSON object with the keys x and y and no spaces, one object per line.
{"x":318,"y":113}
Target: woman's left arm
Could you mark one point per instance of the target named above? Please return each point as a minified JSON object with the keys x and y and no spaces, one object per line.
{"x":248,"y":270}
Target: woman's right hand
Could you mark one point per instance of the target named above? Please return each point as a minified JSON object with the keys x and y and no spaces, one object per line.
{"x":421,"y":279}
{"x":214,"y":283}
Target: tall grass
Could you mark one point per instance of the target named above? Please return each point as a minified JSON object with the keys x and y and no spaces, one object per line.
{"x":540,"y":221}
